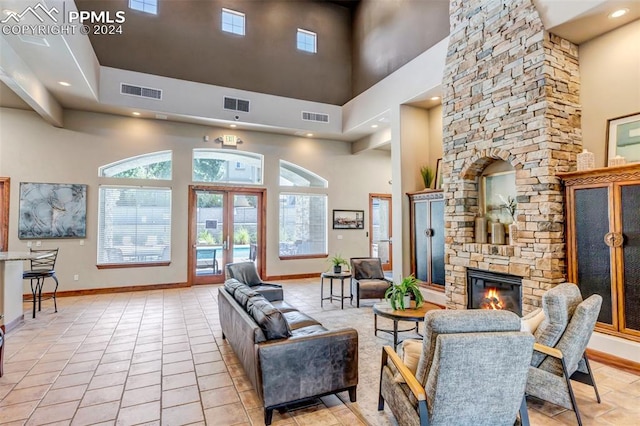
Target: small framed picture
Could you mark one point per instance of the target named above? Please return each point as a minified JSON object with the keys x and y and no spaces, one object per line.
{"x":348,"y":219}
{"x":623,"y":138}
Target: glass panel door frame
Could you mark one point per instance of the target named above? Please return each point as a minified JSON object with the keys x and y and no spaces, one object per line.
{"x":228,"y":194}
{"x":4,"y":213}
{"x":387,"y":266}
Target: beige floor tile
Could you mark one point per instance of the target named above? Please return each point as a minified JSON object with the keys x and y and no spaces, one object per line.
{"x":146,"y":356}
{"x":96,"y":414}
{"x":145,"y":367}
{"x":242,"y":383}
{"x":143,"y":380}
{"x":53,"y":413}
{"x":182,"y":414}
{"x":86,"y":356}
{"x":72,"y":380}
{"x":17,"y":412}
{"x":79,"y":367}
{"x":18,"y":396}
{"x":214,"y":381}
{"x":48,"y":367}
{"x":102,"y":395}
{"x":176,"y":357}
{"x":179,"y":396}
{"x":256,"y":415}
{"x":179,"y":380}
{"x":141,"y":395}
{"x":177,"y":368}
{"x":211,"y":368}
{"x":250,"y":399}
{"x":108,"y":380}
{"x":176,"y":347}
{"x":57,"y":396}
{"x":37,"y":379}
{"x":116,"y":356}
{"x":112,"y":367}
{"x":220,"y":396}
{"x":139,"y":414}
{"x":223,"y":415}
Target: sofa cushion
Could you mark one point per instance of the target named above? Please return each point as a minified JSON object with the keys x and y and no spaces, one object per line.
{"x":268,"y":318}
{"x":242,"y":295}
{"x":271,"y":292}
{"x":308,"y":331}
{"x":231,"y":285}
{"x":282,"y":306}
{"x":297,"y":319}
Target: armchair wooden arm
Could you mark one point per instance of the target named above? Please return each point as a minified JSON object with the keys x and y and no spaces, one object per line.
{"x":416,"y":388}
{"x":547,"y":350}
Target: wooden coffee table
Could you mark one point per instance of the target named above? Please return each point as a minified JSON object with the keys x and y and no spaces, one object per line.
{"x":411,"y":315}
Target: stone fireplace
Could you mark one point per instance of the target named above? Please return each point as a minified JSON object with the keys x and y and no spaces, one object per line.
{"x":511,"y":93}
{"x":493,"y":290}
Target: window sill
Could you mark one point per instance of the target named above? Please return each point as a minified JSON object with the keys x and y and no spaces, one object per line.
{"x":304,"y":256}
{"x":132,"y":265}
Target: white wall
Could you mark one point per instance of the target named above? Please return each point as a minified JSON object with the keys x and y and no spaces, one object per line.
{"x":33,"y":151}
{"x":610,"y":83}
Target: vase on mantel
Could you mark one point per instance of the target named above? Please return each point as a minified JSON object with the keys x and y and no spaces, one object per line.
{"x":497,"y":233}
{"x":513,"y":233}
{"x":481,"y":230}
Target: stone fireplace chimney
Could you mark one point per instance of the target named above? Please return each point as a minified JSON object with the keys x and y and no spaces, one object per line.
{"x":511,"y":93}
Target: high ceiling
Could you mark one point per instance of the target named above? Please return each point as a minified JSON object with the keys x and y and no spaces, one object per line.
{"x":31,"y":73}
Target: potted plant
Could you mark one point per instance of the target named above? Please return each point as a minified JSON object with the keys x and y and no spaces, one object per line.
{"x":337,"y":262}
{"x":427,"y":176}
{"x":399,"y":295}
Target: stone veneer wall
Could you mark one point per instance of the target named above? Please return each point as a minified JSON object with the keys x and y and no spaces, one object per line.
{"x":511,"y":92}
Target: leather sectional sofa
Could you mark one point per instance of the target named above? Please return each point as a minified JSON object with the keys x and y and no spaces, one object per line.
{"x":287,"y":355}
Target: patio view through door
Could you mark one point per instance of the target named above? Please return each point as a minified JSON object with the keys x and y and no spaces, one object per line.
{"x":225,"y":225}
{"x":380,"y":240}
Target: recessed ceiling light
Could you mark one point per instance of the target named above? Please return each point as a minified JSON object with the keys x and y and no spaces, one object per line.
{"x":233,"y":126}
{"x":374,"y":126}
{"x":309,"y":135}
{"x":618,"y":13}
{"x":435,"y":98}
{"x":64,"y":83}
{"x":136,"y":113}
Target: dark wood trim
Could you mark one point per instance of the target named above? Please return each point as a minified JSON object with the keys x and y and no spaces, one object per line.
{"x":434,"y":287}
{"x":110,"y":290}
{"x":385,"y":266}
{"x":293,"y":276}
{"x":614,"y":361}
{"x":132,"y":265}
{"x":304,"y":256}
{"x":13,"y":324}
{"x":5,"y":186}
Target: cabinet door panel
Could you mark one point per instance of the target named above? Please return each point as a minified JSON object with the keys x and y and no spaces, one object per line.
{"x":630,"y":196}
{"x":437,"y":242}
{"x":593,"y":255}
{"x":420,"y":225}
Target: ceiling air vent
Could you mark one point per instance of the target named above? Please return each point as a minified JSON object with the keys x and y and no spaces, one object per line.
{"x":315,"y":116}
{"x":234,"y":104}
{"x":143,"y":92}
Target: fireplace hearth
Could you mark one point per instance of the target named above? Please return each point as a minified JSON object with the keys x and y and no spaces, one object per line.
{"x":493,"y":290}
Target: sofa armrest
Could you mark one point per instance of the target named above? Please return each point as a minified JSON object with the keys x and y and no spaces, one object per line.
{"x":308,"y":366}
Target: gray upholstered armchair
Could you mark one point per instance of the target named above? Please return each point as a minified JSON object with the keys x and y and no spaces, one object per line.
{"x":472,"y":370}
{"x":368,"y":280}
{"x":247,"y":273}
{"x":561,"y":341}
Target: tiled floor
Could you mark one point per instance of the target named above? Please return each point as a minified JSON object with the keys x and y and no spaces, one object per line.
{"x":157,"y":357}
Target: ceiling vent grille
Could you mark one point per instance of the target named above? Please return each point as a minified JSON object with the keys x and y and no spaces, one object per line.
{"x":315,"y":116}
{"x":234,"y":104}
{"x":143,"y":92}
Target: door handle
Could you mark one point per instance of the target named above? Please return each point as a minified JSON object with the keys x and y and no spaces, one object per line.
{"x":428,"y":232}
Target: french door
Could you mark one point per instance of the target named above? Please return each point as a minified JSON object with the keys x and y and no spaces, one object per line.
{"x":380,"y":239}
{"x":225,"y":226}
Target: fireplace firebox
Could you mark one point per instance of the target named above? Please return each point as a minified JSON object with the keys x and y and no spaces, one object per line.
{"x":494,"y":290}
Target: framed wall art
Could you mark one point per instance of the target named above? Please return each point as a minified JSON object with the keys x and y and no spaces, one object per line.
{"x":348,"y":219}
{"x":623,"y":138}
{"x":52,"y":210}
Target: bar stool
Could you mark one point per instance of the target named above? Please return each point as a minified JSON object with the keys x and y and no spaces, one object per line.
{"x":41,"y":269}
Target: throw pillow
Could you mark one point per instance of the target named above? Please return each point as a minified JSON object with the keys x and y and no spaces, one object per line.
{"x":531,"y":322}
{"x":411,"y":351}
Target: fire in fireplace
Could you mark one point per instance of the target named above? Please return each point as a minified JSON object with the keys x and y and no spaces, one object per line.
{"x":493,"y":290}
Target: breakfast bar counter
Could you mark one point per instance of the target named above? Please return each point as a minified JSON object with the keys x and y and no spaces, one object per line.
{"x":11,"y":286}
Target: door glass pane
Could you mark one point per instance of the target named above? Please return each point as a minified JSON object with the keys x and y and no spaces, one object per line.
{"x":210,"y":221}
{"x":380,"y":246}
{"x":593,"y":256}
{"x":245,"y":227}
{"x":420,"y":225}
{"x":437,"y":242}
{"x":631,"y":229}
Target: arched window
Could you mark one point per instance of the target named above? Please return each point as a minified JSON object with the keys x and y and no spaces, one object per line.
{"x":294,"y":175}
{"x":155,"y":165}
{"x":224,"y":166}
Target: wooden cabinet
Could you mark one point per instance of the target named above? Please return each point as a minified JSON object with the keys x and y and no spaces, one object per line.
{"x":603,"y":243}
{"x":427,"y":237}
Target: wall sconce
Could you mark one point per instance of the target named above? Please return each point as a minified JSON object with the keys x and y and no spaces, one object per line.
{"x":228,"y":141}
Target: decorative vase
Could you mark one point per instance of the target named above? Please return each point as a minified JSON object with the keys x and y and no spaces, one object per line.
{"x":586,"y":160}
{"x":337,"y":269}
{"x":481,"y":230}
{"x":497,"y":233}
{"x":407,"y":301}
{"x":513,"y":233}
